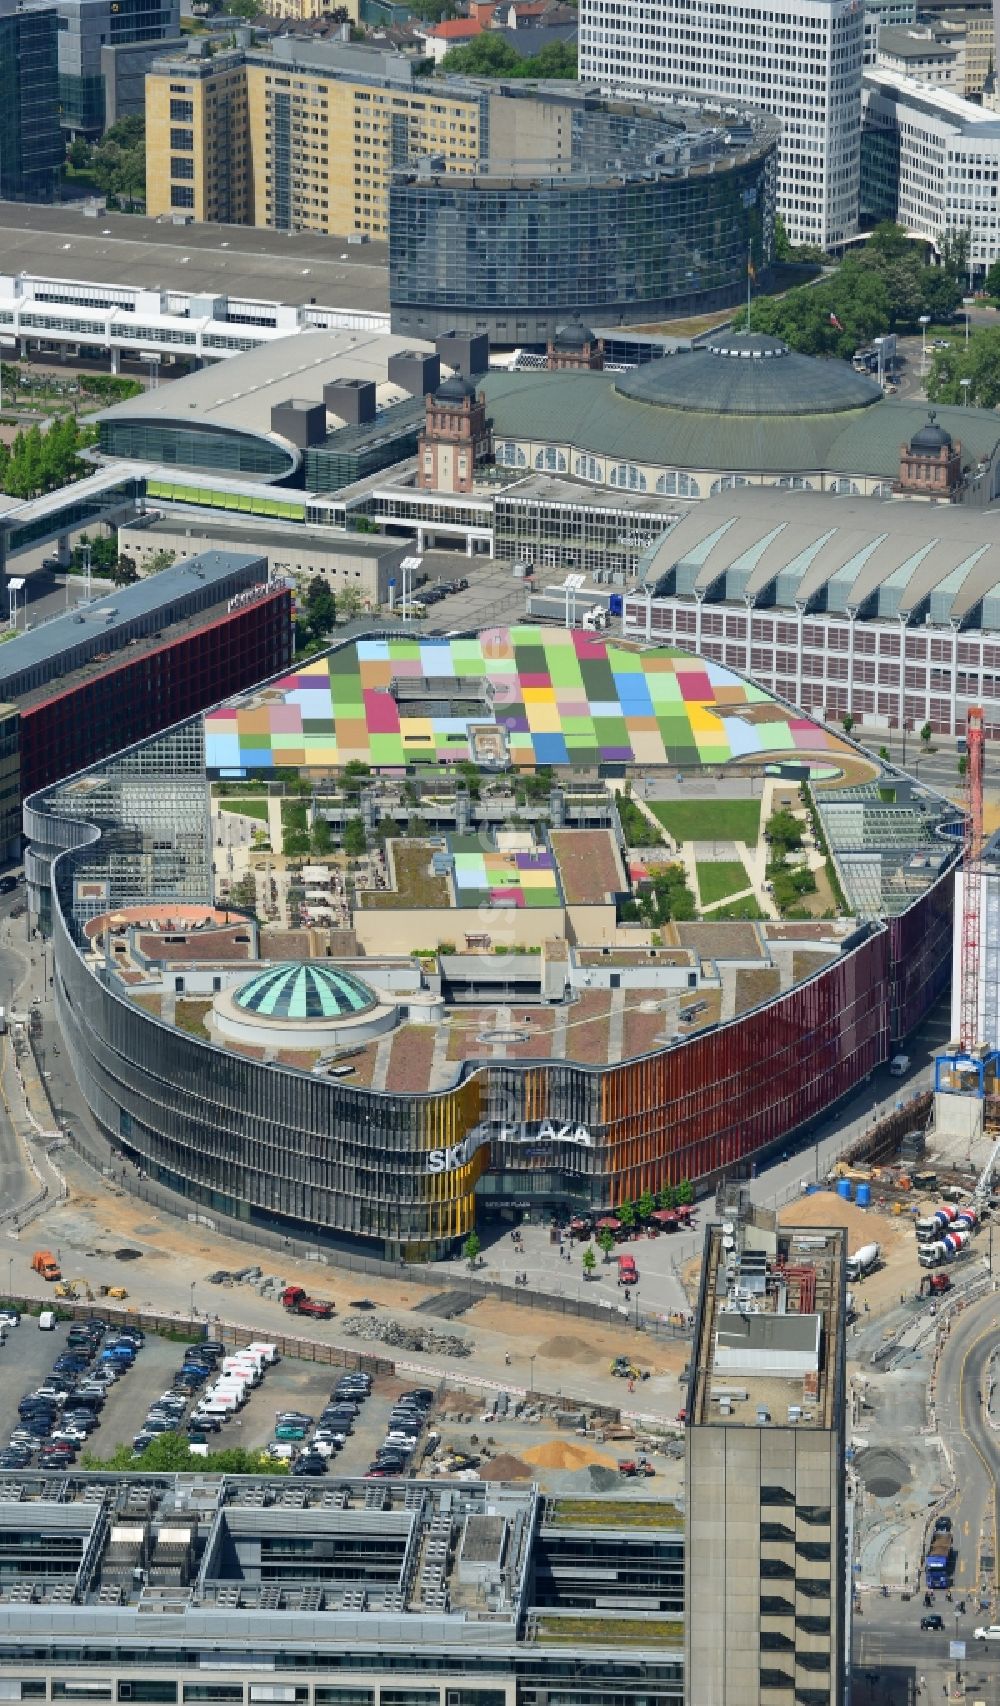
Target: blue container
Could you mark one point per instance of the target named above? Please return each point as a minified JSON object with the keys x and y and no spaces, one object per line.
{"x":844,"y":1189}
{"x":863,"y":1196}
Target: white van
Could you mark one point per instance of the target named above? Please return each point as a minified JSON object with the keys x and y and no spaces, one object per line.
{"x":47,"y":1320}
{"x":268,"y":1352}
{"x":243,"y":1367}
{"x":217,"y":1407}
{"x":231,"y":1392}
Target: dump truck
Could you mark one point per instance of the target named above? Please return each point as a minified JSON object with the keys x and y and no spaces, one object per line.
{"x":631,"y":1467}
{"x":932,"y":1285}
{"x":939,"y":1563}
{"x":43,"y":1262}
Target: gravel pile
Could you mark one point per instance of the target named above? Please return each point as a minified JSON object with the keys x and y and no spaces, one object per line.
{"x":389,"y":1332}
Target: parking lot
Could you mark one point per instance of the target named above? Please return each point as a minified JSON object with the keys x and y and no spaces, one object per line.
{"x":29,"y":1355}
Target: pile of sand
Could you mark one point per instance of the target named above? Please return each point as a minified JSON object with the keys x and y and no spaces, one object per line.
{"x":567,"y":1454}
{"x":506,"y":1468}
{"x":827,"y":1209}
{"x":567,"y":1347}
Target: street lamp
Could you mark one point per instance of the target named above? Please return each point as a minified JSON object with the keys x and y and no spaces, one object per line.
{"x":924,"y":322}
{"x":965,"y":383}
{"x":531,"y":1387}
{"x":968,"y":303}
{"x":193,"y":1284}
{"x":10,"y":1279}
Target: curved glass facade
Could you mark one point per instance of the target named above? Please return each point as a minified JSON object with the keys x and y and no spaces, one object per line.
{"x":402,"y":1173}
{"x":515,"y":253}
{"x":178,"y":444}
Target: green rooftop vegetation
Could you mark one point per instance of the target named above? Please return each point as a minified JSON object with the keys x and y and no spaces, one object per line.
{"x":249,"y":808}
{"x":615,"y":1513}
{"x":605,"y":1628}
{"x":709,"y":820}
{"x":720,"y":878}
{"x":416,"y":883}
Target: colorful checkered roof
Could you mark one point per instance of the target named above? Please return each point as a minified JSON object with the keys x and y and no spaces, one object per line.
{"x":561,"y":698}
{"x":484,"y":876}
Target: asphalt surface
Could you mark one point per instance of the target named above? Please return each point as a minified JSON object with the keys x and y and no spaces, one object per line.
{"x":298,"y":268}
{"x":963,"y":1375}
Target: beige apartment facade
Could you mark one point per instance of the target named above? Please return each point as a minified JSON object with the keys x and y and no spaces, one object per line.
{"x":260,"y":140}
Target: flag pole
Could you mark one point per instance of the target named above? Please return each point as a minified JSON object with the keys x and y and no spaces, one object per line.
{"x":749,"y":276}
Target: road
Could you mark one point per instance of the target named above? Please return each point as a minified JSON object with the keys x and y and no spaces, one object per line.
{"x":963,"y":1374}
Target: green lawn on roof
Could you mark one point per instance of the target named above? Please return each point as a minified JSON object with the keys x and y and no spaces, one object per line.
{"x":719,"y":878}
{"x":247,"y":808}
{"x":709,"y":820}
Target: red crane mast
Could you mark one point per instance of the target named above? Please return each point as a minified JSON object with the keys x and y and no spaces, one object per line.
{"x":971,"y":883}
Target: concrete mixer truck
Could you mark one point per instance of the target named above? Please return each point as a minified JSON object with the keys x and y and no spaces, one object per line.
{"x":863,"y":1261}
{"x":943,"y":1249}
{"x":933,"y":1225}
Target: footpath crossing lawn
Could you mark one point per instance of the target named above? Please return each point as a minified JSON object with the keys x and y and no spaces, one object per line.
{"x":709,"y":820}
{"x":718,"y":879}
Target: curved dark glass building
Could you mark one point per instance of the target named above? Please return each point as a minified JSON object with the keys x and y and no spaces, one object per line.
{"x":236,"y":1120}
{"x":620,"y":212}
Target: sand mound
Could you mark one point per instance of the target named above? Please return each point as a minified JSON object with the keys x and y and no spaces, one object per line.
{"x":567,"y":1454}
{"x":566,"y":1347}
{"x":506,"y":1468}
{"x":827,"y":1209}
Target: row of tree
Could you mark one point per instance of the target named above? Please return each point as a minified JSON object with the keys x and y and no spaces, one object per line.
{"x":885,"y":286}
{"x":490,"y":55}
{"x":40,"y":461}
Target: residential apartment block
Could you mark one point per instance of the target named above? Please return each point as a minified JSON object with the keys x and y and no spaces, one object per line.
{"x":798,"y":59}
{"x":303,"y":138}
{"x":931,"y":161}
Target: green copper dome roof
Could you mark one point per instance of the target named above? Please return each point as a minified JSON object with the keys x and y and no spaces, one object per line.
{"x":303,"y":990}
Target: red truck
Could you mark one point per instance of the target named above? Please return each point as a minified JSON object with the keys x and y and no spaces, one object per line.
{"x":628,"y":1273}
{"x":297,"y":1301}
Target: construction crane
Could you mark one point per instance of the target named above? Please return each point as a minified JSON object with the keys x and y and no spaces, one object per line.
{"x":972,"y":884}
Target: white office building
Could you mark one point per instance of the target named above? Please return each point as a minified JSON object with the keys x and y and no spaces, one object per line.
{"x":931,"y":161}
{"x":799,"y":59}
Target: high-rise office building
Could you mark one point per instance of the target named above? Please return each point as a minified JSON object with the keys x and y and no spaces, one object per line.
{"x":86,"y":28}
{"x":31,"y":144}
{"x":799,"y":59}
{"x":765,"y":1569}
{"x":303,"y":138}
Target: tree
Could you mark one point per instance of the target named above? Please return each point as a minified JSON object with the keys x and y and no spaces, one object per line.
{"x":119,"y":161}
{"x":349,"y":603}
{"x":387,"y":829}
{"x":685,"y":1193}
{"x":170,"y":1453}
{"x":322,"y":838}
{"x":926,"y":734}
{"x":355,"y":839}
{"x":160,"y":560}
{"x":978,"y":361}
{"x":885,"y":754}
{"x":667,"y":1197}
{"x":993,"y":282}
{"x":784,"y":831}
{"x":78,"y":154}
{"x":589,"y":1261}
{"x":646,"y":1204}
{"x":244,"y":892}
{"x":626,"y":1214}
{"x":963,"y":764}
{"x":124,"y":571}
{"x":848,"y":723}
{"x":490,"y":55}
{"x":606,"y":1241}
{"x":320,"y":607}
{"x":471,"y":1249}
